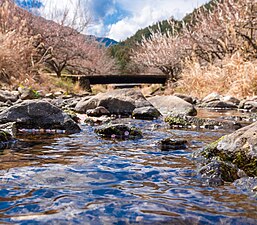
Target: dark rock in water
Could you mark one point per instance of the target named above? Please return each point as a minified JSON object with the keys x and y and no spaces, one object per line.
{"x":173,"y":104}
{"x":172,"y":144}
{"x":6,"y":140}
{"x":98,"y":111}
{"x":194,"y":122}
{"x":119,"y":131}
{"x":36,"y":114}
{"x":217,"y":172}
{"x":146,"y":113}
{"x":118,"y":102}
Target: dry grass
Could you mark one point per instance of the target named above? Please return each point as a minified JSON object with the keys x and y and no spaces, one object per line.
{"x":233,"y":76}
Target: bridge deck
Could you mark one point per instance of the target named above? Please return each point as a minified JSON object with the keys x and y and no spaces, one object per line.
{"x":120,"y":79}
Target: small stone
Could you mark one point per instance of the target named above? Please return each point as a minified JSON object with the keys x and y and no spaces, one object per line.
{"x":172,"y":144}
{"x":120,"y":131}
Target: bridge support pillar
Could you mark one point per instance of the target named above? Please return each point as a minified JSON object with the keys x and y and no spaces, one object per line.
{"x":84,"y":84}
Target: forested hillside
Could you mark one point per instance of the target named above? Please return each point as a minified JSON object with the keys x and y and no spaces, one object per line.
{"x":123,"y":51}
{"x":216,"y":50}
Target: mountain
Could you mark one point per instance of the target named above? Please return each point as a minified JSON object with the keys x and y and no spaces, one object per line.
{"x":107,"y":41}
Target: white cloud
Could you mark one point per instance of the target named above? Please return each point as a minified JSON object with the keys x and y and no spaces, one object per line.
{"x":147,"y":12}
{"x":141,"y":13}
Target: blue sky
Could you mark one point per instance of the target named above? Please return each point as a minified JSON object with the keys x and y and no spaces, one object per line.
{"x":119,"y":19}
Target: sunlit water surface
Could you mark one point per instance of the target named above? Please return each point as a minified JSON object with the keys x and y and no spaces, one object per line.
{"x":83,"y":179}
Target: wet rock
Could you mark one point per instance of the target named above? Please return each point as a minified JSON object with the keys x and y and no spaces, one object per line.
{"x":218,"y":105}
{"x":146,"y":113}
{"x":38,"y":114}
{"x":194,"y":122}
{"x":172,"y":144}
{"x":93,"y":121}
{"x":118,"y":102}
{"x":217,"y":172}
{"x":247,"y":185}
{"x":185,"y":97}
{"x":6,"y":140}
{"x":249,"y":104}
{"x":8,"y":96}
{"x":98,"y":111}
{"x":65,"y":103}
{"x":172,"y":104}
{"x":119,"y":131}
{"x":212,"y":97}
{"x":238,"y":148}
{"x":230,"y":99}
{"x":216,"y":101}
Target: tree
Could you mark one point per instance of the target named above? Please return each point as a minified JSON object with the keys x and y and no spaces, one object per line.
{"x":225,"y":27}
{"x":64,"y":47}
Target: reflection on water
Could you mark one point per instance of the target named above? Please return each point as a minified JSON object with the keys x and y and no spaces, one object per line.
{"x":82,"y":179}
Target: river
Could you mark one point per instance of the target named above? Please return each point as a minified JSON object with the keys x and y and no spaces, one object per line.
{"x":83,"y":179}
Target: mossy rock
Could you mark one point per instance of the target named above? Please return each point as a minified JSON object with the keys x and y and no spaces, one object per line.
{"x":177,"y":121}
{"x":119,"y":131}
{"x":217,"y":172}
{"x":238,"y":148}
{"x":5,"y":136}
{"x":6,"y":140}
{"x":184,"y":121}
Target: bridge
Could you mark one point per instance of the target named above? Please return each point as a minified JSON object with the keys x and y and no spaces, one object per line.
{"x":86,"y":80}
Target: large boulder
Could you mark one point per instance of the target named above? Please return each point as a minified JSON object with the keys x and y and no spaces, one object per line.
{"x":39,"y":115}
{"x":119,"y":102}
{"x":172,"y":104}
{"x":238,"y":148}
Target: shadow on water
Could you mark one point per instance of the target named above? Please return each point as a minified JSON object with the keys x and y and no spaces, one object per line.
{"x":83,"y":179}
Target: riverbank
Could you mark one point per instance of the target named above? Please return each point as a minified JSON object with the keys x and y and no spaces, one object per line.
{"x":125,"y":153}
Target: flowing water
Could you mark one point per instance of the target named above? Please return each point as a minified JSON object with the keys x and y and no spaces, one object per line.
{"x":83,"y":179}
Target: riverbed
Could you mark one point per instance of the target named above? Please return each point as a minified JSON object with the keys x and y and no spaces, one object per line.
{"x":84,"y":179}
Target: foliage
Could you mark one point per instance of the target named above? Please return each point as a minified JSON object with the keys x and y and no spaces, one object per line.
{"x":123,"y":51}
{"x":31,"y":44}
{"x":213,"y":33}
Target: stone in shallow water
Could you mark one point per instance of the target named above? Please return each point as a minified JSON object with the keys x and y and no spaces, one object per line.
{"x":147,"y":113}
{"x":6,"y":140}
{"x":178,"y":120}
{"x":36,"y":114}
{"x":172,"y":144}
{"x":172,"y":104}
{"x":98,"y":111}
{"x":119,"y":131}
{"x":218,"y":172}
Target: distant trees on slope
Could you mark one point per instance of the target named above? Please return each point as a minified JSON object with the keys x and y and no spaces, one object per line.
{"x":30,"y":44}
{"x":225,"y":27}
